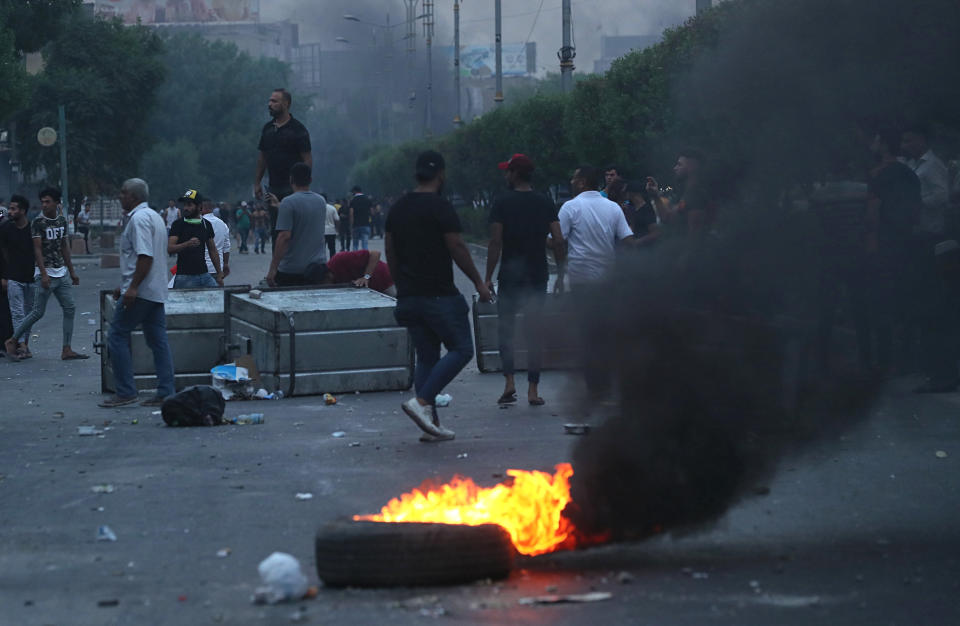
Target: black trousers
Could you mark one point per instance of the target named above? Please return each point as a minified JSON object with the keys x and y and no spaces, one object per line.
{"x":526,"y":300}
{"x":331,"y":244}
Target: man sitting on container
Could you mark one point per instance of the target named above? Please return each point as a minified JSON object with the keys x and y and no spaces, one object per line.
{"x":189,"y":235}
{"x":363,"y":268}
{"x":301,"y":220}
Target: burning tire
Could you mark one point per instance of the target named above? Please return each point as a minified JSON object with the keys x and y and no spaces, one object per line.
{"x":376,"y":554}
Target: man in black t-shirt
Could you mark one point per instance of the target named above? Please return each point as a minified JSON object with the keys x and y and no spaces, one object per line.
{"x":520,"y":221}
{"x":189,"y":235}
{"x":422,"y":237}
{"x":16,"y":243}
{"x":283,"y":142}
{"x":360,"y":210}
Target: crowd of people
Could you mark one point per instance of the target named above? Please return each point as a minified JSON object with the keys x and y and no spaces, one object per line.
{"x":890,"y":243}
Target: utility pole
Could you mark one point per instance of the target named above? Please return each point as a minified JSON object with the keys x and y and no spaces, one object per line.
{"x":411,"y":37}
{"x":64,"y":188}
{"x":567,"y":52}
{"x":457,"y":120}
{"x":498,"y":54}
{"x":428,"y":33}
{"x":703,"y":5}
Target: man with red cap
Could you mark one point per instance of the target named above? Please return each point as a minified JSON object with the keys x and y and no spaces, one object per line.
{"x":520,"y":221}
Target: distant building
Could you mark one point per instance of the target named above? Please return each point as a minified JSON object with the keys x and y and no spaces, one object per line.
{"x":612,"y":48}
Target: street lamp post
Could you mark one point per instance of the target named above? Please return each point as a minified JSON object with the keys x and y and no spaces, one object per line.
{"x":567,"y":52}
{"x":428,"y":33}
{"x":457,"y":120}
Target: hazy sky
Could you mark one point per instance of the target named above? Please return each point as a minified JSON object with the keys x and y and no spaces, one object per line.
{"x":322,"y":21}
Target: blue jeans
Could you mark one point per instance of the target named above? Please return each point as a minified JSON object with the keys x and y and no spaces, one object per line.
{"x":61,"y":289}
{"x":361,"y":235}
{"x":261,"y":241}
{"x":433,"y":321}
{"x":528,"y":300}
{"x":20,"y":297}
{"x":151,"y":316}
{"x":193,"y":281}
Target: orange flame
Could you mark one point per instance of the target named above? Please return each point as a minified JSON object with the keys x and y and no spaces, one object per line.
{"x":530,"y":507}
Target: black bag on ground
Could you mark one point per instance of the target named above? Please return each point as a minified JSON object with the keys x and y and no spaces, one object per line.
{"x":200,"y":405}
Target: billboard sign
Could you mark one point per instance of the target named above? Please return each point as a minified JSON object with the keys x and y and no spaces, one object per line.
{"x":481,"y":61}
{"x":173,"y":11}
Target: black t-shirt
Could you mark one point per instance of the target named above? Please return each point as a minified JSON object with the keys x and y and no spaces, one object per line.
{"x":417,"y":224}
{"x":17,"y":243}
{"x":898,"y":190}
{"x":282,"y":148}
{"x":190,"y":261}
{"x":526,"y":217}
{"x":641,"y":219}
{"x":361,"y":206}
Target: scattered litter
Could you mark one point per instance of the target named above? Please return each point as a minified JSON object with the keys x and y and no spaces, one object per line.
{"x":426,"y":606}
{"x":338,"y":434}
{"x":300,"y":615}
{"x":58,"y":414}
{"x":232,"y":381}
{"x":135,"y":421}
{"x":249,"y":418}
{"x":263,"y":394}
{"x":462,"y":455}
{"x":88,"y":431}
{"x":105,"y":534}
{"x":442,"y":399}
{"x":282,"y":580}
{"x":941,"y":454}
{"x":106,"y":603}
{"x":91,"y":322}
{"x":354,"y":444}
{"x":156,"y":413}
{"x":329,"y":398}
{"x":625,"y":578}
{"x":103,"y":489}
{"x":576,"y":429}
{"x":595,"y":596}
{"x":223,"y":553}
{"x":86,"y":313}
{"x":304,"y":496}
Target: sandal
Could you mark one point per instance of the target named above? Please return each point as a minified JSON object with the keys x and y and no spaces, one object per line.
{"x":507,"y":398}
{"x":538,"y":401}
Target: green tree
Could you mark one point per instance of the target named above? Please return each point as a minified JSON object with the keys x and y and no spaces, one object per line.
{"x":170,"y":168}
{"x":106,"y":74}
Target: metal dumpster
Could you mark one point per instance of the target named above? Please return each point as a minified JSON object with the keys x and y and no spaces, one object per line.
{"x":558,"y":320}
{"x":195,"y":323}
{"x":313,"y":341}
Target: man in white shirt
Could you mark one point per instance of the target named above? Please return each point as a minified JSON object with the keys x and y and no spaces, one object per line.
{"x":934,"y":180}
{"x":221,"y":239}
{"x":592,"y":227}
{"x":330,"y":228}
{"x":140,"y":298}
{"x":171,"y":214}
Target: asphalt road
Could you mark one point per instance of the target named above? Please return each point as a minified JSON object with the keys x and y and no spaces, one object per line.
{"x":860,"y":530}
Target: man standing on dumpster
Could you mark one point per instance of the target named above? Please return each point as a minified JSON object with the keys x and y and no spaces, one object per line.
{"x":140,"y":298}
{"x":422,"y":237}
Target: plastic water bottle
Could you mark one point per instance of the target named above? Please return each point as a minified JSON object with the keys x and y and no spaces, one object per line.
{"x":250,"y":418}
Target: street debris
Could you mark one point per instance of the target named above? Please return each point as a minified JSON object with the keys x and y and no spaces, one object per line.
{"x":58,"y":414}
{"x":300,"y":615}
{"x":249,"y":418}
{"x":103,"y":488}
{"x":233,"y":382}
{"x":304,"y":496}
{"x":104,"y":533}
{"x":625,"y":578}
{"x":576,"y":429}
{"x":199,"y":405}
{"x":338,"y":434}
{"x":595,"y":596}
{"x":106,"y":603}
{"x":223,"y":553}
{"x":329,"y":398}
{"x":442,"y":399}
{"x":462,"y":455}
{"x":282,"y":580}
{"x":88,"y":431}
{"x":354,"y":444}
{"x":426,"y":606}
{"x":941,"y":454}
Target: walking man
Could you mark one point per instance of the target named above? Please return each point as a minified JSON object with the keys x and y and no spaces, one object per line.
{"x":140,"y":298}
{"x":243,"y":226}
{"x":330,"y":229}
{"x":16,"y":242}
{"x":360,"y":207}
{"x":520,"y":221}
{"x":261,"y":222}
{"x":189,"y":236}
{"x":221,"y":241}
{"x":51,"y":252}
{"x":83,"y":225}
{"x":283,"y":142}
{"x":301,"y":219}
{"x":422,"y":237}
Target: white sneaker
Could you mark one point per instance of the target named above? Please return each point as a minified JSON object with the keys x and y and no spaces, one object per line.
{"x":422,"y":416}
{"x":445,"y":435}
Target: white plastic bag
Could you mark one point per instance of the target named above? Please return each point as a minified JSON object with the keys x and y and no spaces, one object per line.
{"x":282,"y":579}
